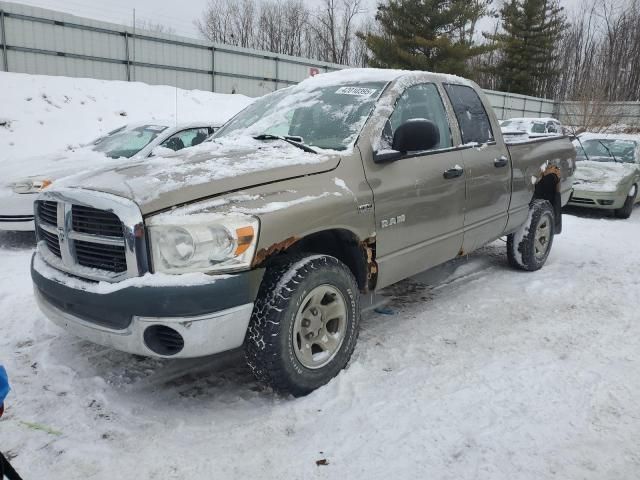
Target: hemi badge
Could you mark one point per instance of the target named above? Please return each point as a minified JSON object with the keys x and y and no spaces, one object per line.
{"x":365,"y":208}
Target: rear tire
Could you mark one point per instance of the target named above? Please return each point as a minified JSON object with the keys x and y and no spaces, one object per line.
{"x":626,"y":209}
{"x":304,"y":324}
{"x":529,"y":247}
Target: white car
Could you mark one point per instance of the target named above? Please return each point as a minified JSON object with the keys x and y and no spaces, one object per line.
{"x":532,"y":127}
{"x":22,"y":181}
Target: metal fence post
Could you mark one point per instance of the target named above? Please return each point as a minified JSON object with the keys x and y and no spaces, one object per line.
{"x":504,"y":106}
{"x":5,"y":61}
{"x":213,"y":68}
{"x":126,"y":50}
{"x":277,"y":79}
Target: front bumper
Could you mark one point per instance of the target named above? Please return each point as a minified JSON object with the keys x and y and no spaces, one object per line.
{"x":204,"y":319}
{"x":598,"y":200}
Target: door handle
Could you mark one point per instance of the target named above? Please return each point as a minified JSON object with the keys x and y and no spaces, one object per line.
{"x":500,"y":162}
{"x":454,"y":172}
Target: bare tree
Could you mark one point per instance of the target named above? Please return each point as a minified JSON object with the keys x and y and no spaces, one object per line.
{"x":601,"y":54}
{"x":152,"y":27}
{"x":288,"y":27}
{"x":280,"y":26}
{"x":228,"y":21}
{"x":334,"y":29}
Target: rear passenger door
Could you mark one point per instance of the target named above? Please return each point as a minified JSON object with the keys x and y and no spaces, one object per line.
{"x":419,"y":213}
{"x":487,"y":169}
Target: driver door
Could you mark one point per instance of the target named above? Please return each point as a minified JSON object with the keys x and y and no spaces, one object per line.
{"x":419,"y":213}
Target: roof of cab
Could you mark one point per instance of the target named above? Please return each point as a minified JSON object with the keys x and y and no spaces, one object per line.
{"x":374,"y":75}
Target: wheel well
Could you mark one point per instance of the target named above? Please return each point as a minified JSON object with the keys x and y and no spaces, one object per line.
{"x":548,"y":188}
{"x":342,"y":244}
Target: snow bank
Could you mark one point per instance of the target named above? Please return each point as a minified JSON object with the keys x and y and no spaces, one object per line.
{"x":491,"y":373}
{"x":41,"y":114}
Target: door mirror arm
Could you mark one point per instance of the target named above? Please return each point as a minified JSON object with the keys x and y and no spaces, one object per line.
{"x":386,"y":156}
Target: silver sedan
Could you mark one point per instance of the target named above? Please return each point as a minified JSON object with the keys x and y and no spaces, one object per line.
{"x":24,"y":180}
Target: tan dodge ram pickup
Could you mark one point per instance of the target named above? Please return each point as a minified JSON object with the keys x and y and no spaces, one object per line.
{"x":264,"y":236}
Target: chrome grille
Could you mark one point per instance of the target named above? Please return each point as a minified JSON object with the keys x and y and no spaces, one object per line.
{"x":104,"y":257}
{"x":52,"y":242}
{"x":95,"y":222}
{"x":91,"y":235}
{"x":586,"y":201}
{"x":48,"y":212}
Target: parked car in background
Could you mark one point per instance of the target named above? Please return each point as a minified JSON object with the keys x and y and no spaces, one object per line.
{"x":22,"y":181}
{"x":347,"y":182}
{"x":533,"y":127}
{"x":607,"y":172}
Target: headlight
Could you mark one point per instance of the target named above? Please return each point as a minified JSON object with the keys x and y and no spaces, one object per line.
{"x":203,"y":242}
{"x":30,"y":185}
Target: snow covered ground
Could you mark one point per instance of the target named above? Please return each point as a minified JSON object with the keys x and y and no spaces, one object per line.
{"x":40,"y":114}
{"x":479,"y":372}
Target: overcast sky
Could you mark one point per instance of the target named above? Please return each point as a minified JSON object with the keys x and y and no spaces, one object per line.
{"x":179,"y":15}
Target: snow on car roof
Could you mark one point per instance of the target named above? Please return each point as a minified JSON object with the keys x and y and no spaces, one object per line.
{"x":609,"y":136}
{"x":172,"y":124}
{"x":531,"y":119}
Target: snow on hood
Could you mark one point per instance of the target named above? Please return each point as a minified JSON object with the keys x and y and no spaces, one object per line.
{"x":209,"y":169}
{"x":53,"y":167}
{"x":602,"y":176}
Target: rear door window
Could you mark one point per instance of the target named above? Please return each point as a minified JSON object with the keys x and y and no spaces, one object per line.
{"x":472,"y":117}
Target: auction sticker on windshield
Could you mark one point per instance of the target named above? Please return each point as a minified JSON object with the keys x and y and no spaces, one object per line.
{"x":358,"y":91}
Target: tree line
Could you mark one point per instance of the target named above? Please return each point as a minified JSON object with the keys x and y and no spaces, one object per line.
{"x":326,"y":33}
{"x":533,"y":48}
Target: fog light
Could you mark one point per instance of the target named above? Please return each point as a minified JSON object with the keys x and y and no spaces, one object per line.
{"x":605,"y":202}
{"x":163,"y":340}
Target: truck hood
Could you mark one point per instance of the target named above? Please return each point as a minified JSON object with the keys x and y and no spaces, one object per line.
{"x":602,"y":176}
{"x":204,"y":171}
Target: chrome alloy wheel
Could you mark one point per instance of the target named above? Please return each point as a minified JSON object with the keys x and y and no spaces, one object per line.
{"x":542,"y":236}
{"x":319,"y":327}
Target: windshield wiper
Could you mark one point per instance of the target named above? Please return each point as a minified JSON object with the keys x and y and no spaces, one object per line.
{"x":609,"y":152}
{"x":295,"y":141}
{"x":582,"y":146}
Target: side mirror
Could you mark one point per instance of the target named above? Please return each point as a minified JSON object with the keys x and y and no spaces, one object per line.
{"x":414,"y":135}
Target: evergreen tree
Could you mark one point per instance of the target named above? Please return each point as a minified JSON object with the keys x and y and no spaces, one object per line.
{"x":532,"y":30}
{"x":433,"y":35}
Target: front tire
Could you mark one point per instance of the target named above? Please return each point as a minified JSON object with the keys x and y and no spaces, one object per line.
{"x":627,"y":208}
{"x":304,"y":324}
{"x":529,"y":247}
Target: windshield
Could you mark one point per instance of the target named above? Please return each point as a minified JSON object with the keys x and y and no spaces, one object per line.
{"x":601,"y":150}
{"x":326,"y":117}
{"x":127,"y":141}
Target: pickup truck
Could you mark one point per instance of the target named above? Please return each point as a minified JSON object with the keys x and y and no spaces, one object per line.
{"x":264,"y":237}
